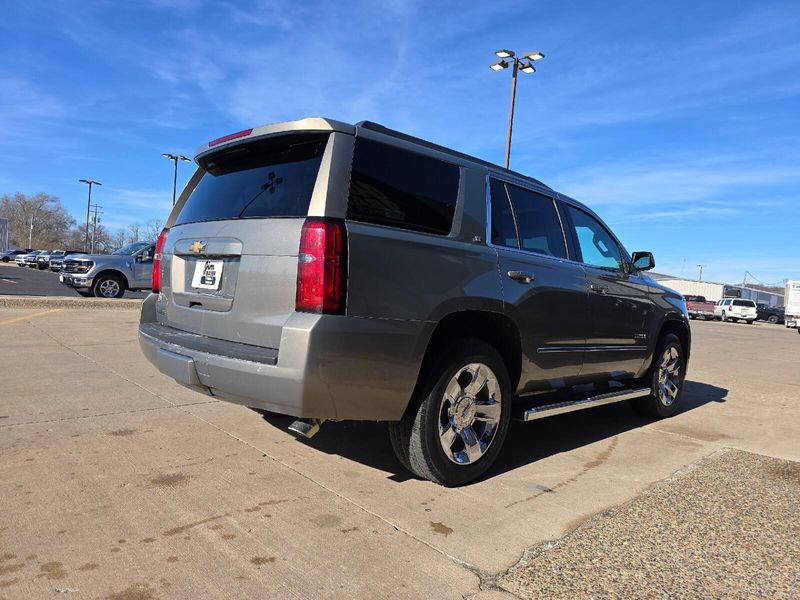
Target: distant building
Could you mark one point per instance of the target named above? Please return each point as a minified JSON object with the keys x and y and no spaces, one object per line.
{"x":4,"y":241}
{"x":714,"y":291}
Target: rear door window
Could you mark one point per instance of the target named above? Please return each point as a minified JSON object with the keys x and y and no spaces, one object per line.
{"x":394,"y":187}
{"x":504,"y":228}
{"x":264,"y":178}
{"x":538,"y":223}
{"x":748,"y":303}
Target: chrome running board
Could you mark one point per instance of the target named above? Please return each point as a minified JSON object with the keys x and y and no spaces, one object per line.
{"x":559,"y":408}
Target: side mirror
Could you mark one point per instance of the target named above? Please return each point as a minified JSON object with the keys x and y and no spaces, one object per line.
{"x":643,"y":261}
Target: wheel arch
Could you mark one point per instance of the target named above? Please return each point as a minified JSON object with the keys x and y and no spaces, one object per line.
{"x":680,"y":329}
{"x":497,"y":329}
{"x":109,"y":271}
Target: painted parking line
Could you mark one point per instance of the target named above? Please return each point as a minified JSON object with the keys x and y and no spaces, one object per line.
{"x":8,"y":280}
{"x":25,"y":318}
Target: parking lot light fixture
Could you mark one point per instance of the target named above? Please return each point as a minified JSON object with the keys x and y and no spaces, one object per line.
{"x":90,"y":183}
{"x":523,"y":64}
{"x":175,"y":158}
{"x":533,"y":56}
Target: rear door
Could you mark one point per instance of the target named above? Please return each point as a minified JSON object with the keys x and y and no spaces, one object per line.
{"x":543,"y":291}
{"x":230,"y":260}
{"x":619,"y":301}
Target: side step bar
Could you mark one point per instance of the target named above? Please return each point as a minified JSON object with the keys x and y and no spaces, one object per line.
{"x":558,"y":408}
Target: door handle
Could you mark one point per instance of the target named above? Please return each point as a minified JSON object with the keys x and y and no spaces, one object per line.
{"x":598,"y":289}
{"x":521,"y":276}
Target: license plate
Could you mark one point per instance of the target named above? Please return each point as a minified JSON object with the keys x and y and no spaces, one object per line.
{"x":61,"y":278}
{"x":208,"y":274}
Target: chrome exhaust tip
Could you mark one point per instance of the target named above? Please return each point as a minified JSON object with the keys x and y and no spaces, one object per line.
{"x":306,"y":428}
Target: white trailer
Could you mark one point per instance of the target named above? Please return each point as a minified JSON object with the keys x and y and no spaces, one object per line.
{"x":792,"y":303}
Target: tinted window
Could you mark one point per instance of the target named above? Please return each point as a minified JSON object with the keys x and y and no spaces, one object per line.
{"x":596,"y":245}
{"x":264,"y":178}
{"x":504,"y":230}
{"x":749,"y":303}
{"x":390,"y":186}
{"x":537,"y":221}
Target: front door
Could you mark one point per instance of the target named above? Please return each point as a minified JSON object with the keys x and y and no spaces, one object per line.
{"x":143,"y":269}
{"x":619,"y":302}
{"x":543,"y":291}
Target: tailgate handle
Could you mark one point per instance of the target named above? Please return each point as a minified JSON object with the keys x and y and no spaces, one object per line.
{"x":521,"y":276}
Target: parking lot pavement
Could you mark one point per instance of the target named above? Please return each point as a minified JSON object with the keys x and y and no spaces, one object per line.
{"x":24,"y":281}
{"x":115,"y":480}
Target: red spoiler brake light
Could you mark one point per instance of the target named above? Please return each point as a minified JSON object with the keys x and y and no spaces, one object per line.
{"x":231,"y":136}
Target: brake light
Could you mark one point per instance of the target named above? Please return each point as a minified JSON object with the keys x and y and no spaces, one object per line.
{"x":162,"y":238}
{"x":322,"y":267}
{"x":231,"y":136}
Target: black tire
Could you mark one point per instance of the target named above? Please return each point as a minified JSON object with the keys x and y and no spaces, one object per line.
{"x":749,"y":321}
{"x":101,"y":286}
{"x":724,"y":317}
{"x":416,"y":438}
{"x":86,"y":294}
{"x":772,"y":319}
{"x":652,"y":404}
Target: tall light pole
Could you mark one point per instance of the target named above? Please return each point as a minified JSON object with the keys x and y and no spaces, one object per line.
{"x":90,"y":183}
{"x":175,"y":158}
{"x":524,"y":64}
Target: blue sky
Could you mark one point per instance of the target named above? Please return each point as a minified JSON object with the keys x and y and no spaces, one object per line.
{"x":678,"y":122}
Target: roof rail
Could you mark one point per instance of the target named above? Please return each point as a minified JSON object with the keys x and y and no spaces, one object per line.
{"x":415,"y":140}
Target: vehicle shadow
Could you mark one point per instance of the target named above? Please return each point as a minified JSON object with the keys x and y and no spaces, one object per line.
{"x":368,"y":442}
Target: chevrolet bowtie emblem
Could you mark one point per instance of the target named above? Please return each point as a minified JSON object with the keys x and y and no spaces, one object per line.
{"x":197,"y":247}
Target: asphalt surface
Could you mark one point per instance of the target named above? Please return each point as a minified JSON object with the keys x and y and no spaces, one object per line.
{"x":24,"y":281}
{"x":115,"y":482}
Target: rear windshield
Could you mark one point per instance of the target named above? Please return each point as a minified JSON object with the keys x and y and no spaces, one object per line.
{"x":749,"y":303}
{"x":265,"y":178}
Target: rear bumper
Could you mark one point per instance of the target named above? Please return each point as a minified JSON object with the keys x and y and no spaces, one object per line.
{"x":327,"y":367}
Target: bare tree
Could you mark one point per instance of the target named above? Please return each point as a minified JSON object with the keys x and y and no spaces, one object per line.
{"x":118,"y":239}
{"x":39,"y":220}
{"x":133,"y":232}
{"x":152,"y":228}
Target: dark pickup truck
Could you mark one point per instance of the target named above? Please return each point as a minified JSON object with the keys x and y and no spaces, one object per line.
{"x":771,"y":314}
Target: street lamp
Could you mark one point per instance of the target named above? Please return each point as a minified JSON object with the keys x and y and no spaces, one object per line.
{"x":175,"y":158}
{"x":90,"y":183}
{"x":524,"y":64}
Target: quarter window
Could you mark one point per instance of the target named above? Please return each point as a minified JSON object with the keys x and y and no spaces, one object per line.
{"x":394,"y":187}
{"x":595,"y":243}
{"x":530,"y":222}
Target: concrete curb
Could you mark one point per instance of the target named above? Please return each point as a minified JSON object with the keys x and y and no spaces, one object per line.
{"x":66,"y":302}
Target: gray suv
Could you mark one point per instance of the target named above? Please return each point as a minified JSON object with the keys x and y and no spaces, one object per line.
{"x":332,"y":271}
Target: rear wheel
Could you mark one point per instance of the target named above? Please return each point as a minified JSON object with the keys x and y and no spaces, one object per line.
{"x":454,"y":430}
{"x":109,"y":286}
{"x":665,"y":378}
{"x":749,"y":321}
{"x":724,"y":317}
{"x":772,"y":319}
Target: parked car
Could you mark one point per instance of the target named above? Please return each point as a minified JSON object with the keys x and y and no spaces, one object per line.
{"x":733,"y":309}
{"x":10,"y":255}
{"x":57,"y":262}
{"x":110,"y":275}
{"x":20,"y":258}
{"x":330,"y":271}
{"x":43,"y":259}
{"x":771,"y":314}
{"x":32,"y":257}
{"x":698,"y":307}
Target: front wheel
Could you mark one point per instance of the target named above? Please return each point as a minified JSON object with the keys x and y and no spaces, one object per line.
{"x":665,"y":378}
{"x":109,"y":286}
{"x":454,"y":430}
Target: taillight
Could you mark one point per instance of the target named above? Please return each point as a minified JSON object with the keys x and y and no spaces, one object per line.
{"x":162,"y":238}
{"x":322,"y":267}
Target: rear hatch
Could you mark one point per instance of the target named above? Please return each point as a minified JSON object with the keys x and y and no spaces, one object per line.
{"x":230,"y":259}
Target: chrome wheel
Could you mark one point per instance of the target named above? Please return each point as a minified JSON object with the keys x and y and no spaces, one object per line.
{"x":669,"y":376}
{"x":469,"y":413}
{"x":109,"y":288}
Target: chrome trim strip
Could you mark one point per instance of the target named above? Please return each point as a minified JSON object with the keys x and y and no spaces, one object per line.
{"x":560,"y":408}
{"x":597,"y":348}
